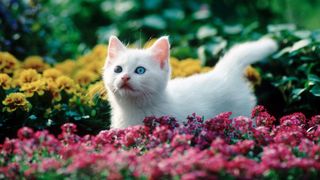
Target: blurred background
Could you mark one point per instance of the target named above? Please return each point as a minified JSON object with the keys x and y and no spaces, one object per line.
{"x":61,"y":29}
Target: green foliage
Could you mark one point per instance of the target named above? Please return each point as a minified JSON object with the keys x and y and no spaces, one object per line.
{"x":65,"y":29}
{"x":295,"y":69}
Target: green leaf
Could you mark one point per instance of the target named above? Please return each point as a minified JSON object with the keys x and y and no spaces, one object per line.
{"x":183,"y":52}
{"x":236,"y":29}
{"x":155,"y":21}
{"x":315,"y":90}
{"x":297,"y":92}
{"x":314,"y":78}
{"x":282,"y":52}
{"x":281,"y":27}
{"x":71,"y":113}
{"x":206,"y":31}
{"x":300,"y":44}
{"x":302,"y":34}
{"x":201,"y":14}
{"x":174,"y":14}
{"x":33,"y":117}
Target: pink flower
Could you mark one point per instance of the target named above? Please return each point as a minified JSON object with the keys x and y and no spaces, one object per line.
{"x":290,"y":135}
{"x":164,"y":149}
{"x":219,"y":123}
{"x":49,"y":164}
{"x":8,"y":146}
{"x":220,"y":146}
{"x":315,"y":120}
{"x":243,"y":147}
{"x":243,"y":124}
{"x":262,"y":135}
{"x":181,"y":140}
{"x":257,"y":110}
{"x":296,"y":119}
{"x":276,"y":156}
{"x":25,"y":133}
{"x":243,"y":167}
{"x":196,"y":175}
{"x":262,"y":117}
{"x":215,"y":163}
{"x":314,"y":133}
{"x":69,"y":128}
{"x":11,"y":171}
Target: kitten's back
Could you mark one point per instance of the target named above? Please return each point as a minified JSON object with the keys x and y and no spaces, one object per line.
{"x":224,"y":88}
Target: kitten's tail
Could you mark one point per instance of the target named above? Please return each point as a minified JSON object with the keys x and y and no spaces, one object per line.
{"x":242,"y":55}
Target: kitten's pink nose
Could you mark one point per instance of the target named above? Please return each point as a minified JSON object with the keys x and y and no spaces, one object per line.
{"x":125,"y":78}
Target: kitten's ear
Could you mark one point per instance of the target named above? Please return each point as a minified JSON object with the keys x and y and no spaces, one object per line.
{"x":160,"y":50}
{"x":115,"y":47}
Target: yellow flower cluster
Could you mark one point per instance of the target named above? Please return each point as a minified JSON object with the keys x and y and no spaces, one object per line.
{"x":5,"y":81}
{"x":36,"y":63}
{"x":8,"y":63}
{"x":16,"y":100}
{"x":80,"y":78}
{"x":187,"y":67}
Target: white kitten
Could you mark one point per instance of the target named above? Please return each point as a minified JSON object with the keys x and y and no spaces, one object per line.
{"x":138,"y":83}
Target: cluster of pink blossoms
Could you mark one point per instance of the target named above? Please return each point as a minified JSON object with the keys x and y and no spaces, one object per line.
{"x":222,"y":147}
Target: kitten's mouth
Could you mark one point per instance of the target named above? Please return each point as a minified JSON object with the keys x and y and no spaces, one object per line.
{"x":126,"y":86}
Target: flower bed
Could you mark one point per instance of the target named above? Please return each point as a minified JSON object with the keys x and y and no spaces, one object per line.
{"x":221,"y":147}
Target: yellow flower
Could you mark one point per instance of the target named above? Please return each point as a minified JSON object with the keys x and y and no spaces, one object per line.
{"x":33,"y":87}
{"x":185,"y":68}
{"x":85,"y":77}
{"x":57,"y":107}
{"x":52,"y":87}
{"x":35,"y":62}
{"x":67,"y":84}
{"x":149,"y":43}
{"x":85,"y":59}
{"x":28,"y":76}
{"x":16,"y":101}
{"x":52,"y":73}
{"x":100,"y":51}
{"x":67,"y":67}
{"x":8,"y":63}
{"x":95,"y":67}
{"x":97,"y":90}
{"x":253,"y":75}
{"x":174,"y":62}
{"x":206,"y":69}
{"x":5,"y":81}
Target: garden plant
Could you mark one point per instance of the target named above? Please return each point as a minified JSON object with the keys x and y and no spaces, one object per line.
{"x":54,"y":120}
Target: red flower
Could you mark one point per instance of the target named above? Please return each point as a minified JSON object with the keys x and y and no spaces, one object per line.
{"x":243,"y":147}
{"x":262,"y":117}
{"x":49,"y":164}
{"x":262,"y":135}
{"x":276,"y":156}
{"x":315,"y":120}
{"x":196,"y":175}
{"x":296,"y":119}
{"x":25,"y":133}
{"x":69,"y":128}
{"x":181,"y":140}
{"x":243,"y":124}
{"x":243,"y":167}
{"x":290,"y":135}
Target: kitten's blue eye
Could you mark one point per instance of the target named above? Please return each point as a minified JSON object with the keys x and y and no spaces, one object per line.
{"x":140,"y":70}
{"x":118,"y":69}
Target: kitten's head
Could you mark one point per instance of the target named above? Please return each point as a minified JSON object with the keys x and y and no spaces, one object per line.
{"x":137,"y":72}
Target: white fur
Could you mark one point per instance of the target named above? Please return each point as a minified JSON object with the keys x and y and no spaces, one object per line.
{"x":220,"y":90}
